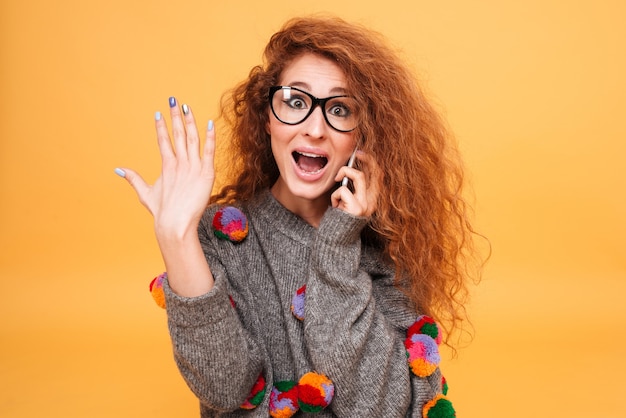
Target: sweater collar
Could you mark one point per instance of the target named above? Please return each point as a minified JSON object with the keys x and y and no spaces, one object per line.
{"x":284,"y":221}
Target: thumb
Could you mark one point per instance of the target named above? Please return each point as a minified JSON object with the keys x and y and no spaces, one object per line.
{"x":136,"y":182}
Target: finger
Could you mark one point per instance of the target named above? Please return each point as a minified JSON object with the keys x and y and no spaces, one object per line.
{"x":208,"y":156}
{"x":355,"y":176}
{"x":360,"y":193}
{"x":163,"y":138}
{"x":178,"y":130}
{"x":343,"y":199}
{"x":336,"y":198}
{"x":193,"y":139}
{"x":136,"y":182}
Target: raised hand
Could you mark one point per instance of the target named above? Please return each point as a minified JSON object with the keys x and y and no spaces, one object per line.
{"x":179,"y":197}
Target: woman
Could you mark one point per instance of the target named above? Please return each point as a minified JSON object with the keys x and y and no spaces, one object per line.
{"x":297,"y":290}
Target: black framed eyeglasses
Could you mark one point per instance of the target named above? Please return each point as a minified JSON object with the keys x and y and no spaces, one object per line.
{"x":292,"y":106}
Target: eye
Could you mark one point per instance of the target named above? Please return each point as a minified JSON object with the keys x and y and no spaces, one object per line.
{"x":339,"y":110}
{"x":298,"y":103}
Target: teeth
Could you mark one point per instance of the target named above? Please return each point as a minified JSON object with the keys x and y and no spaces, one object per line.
{"x":306,"y":154}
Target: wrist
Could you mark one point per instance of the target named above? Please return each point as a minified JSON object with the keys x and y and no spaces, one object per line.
{"x":176,"y":233}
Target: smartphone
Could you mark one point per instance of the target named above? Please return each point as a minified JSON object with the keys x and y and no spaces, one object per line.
{"x":345,"y":180}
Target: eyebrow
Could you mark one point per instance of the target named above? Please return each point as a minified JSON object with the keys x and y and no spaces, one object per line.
{"x":307,"y":87}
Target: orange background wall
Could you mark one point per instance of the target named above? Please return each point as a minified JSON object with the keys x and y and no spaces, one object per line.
{"x":535,"y":91}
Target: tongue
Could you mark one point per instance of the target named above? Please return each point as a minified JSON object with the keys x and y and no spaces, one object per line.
{"x":310,"y":164}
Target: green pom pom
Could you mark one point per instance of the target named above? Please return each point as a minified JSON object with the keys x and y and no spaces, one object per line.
{"x":442,"y":409}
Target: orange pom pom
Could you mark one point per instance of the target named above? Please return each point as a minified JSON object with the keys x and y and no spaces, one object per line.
{"x":156,"y":289}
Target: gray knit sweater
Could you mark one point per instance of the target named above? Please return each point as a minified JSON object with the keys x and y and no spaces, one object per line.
{"x":353,"y":329}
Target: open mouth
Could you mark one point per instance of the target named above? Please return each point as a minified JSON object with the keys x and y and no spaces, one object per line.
{"x":309,"y":163}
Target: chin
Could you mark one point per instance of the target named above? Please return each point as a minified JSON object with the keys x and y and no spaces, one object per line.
{"x":310,"y":191}
{"x":313,"y":193}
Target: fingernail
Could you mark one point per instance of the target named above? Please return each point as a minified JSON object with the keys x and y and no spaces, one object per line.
{"x":185,"y":109}
{"x":120,"y":172}
{"x":157,"y":116}
{"x":172,"y":101}
{"x":210,"y":125}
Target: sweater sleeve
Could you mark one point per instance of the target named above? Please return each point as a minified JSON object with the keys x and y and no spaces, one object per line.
{"x":358,"y":344}
{"x":216,"y":356}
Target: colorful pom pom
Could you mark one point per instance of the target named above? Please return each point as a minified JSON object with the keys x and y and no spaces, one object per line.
{"x":439,"y":407}
{"x":315,"y":392}
{"x":426,"y":325}
{"x":230,"y":223}
{"x":422,"y":353}
{"x":156,"y":289}
{"x":444,"y":385}
{"x":284,"y":399}
{"x":256,"y":394}
{"x":297,"y":303}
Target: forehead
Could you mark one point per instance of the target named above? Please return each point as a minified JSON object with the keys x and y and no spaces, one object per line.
{"x":314,"y":73}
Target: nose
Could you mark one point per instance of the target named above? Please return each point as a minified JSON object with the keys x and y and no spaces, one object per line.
{"x":315,"y":124}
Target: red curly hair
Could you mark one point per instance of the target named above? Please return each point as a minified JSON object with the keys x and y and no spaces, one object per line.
{"x":421,"y":221}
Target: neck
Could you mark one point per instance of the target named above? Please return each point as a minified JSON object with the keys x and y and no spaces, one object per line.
{"x":310,"y":210}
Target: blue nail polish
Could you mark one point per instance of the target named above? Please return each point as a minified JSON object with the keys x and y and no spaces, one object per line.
{"x":157,"y":116}
{"x":210,"y":125}
{"x":172,"y":101}
{"x":120,"y":172}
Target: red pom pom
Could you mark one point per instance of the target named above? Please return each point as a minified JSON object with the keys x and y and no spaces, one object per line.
{"x":256,"y":394}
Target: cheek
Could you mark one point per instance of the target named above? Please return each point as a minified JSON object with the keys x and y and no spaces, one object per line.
{"x":347,"y":144}
{"x":280,"y":137}
{"x":280,"y":133}
{"x":274,"y":128}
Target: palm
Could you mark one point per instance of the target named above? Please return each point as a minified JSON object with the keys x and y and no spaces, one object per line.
{"x":181,"y":193}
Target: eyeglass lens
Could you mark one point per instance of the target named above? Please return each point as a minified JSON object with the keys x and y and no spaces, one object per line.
{"x":292,"y":106}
